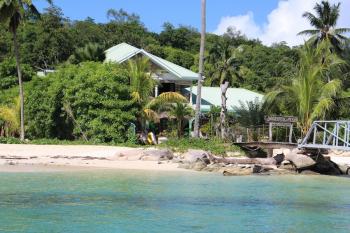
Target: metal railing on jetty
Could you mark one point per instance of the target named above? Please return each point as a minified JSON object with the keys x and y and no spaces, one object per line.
{"x":328,"y":135}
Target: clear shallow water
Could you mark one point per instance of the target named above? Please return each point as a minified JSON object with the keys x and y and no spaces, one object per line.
{"x":129,"y":201}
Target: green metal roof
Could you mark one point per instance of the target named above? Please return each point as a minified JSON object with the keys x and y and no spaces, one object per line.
{"x":211,"y":96}
{"x":122,"y":52}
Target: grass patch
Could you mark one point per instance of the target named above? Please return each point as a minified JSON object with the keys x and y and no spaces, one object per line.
{"x":215,"y":146}
{"x":45,"y":141}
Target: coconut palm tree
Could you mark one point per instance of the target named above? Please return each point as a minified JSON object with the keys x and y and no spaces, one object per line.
{"x":250,"y":113}
{"x":180,"y":111}
{"x":222,"y":55}
{"x":200,"y":71}
{"x":310,"y":96}
{"x":142,"y":85}
{"x":13,"y":12}
{"x":141,"y":82}
{"x":90,"y":52}
{"x":325,"y":22}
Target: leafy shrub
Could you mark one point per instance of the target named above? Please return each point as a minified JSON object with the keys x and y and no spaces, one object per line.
{"x":90,"y":100}
{"x":9,"y":140}
{"x":8,"y":73}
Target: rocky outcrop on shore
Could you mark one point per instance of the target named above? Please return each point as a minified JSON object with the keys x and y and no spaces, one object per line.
{"x":284,"y":162}
{"x":287,"y":162}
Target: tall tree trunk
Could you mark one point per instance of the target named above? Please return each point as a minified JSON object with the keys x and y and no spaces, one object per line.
{"x":19,"y":73}
{"x":179,"y":128}
{"x":223,"y":112}
{"x":200,"y":72}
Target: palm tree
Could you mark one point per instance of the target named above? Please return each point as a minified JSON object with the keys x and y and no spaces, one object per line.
{"x":180,"y":111}
{"x":141,"y":81}
{"x":142,"y":85}
{"x":310,"y":96}
{"x":222,"y":56}
{"x":250,"y":113}
{"x":90,"y":52}
{"x":200,"y":72}
{"x":325,"y":22}
{"x":13,"y":12}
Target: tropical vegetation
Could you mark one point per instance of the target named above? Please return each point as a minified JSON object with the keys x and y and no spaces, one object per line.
{"x":90,"y":101}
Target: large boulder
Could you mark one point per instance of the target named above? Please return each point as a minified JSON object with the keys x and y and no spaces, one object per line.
{"x":199,"y":165}
{"x":156,"y":155}
{"x":193,"y":156}
{"x":325,"y":166}
{"x":299,"y":160}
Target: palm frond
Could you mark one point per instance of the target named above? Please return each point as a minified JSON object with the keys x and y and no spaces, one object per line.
{"x":310,"y":32}
{"x":321,"y":108}
{"x":341,"y":30}
{"x":151,"y":115}
{"x":331,"y":88}
{"x":314,"y":21}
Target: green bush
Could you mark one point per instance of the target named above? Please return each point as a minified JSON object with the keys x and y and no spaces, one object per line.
{"x":8,"y":73}
{"x":90,"y":100}
{"x":9,"y":140}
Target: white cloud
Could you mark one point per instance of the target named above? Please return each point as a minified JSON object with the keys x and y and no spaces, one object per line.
{"x":242,"y":23}
{"x":283,"y":23}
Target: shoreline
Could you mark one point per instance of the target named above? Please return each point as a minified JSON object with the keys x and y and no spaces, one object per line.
{"x":31,"y":158}
{"x":51,"y":158}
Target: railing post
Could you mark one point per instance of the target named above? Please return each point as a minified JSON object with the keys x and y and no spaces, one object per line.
{"x":324,"y":134}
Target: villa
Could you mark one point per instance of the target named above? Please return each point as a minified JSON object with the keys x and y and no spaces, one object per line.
{"x":172,"y":77}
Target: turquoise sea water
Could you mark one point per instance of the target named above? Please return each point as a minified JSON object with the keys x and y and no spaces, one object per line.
{"x":129,"y":201}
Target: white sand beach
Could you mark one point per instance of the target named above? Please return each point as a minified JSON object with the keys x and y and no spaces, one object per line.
{"x":61,"y":157}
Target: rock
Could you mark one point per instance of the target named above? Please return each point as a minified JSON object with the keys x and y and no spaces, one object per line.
{"x":192,"y":156}
{"x":157,"y":155}
{"x":199,"y":165}
{"x":345,"y":170}
{"x":325,"y":166}
{"x":237,"y":171}
{"x":300,"y":161}
{"x":280,"y":151}
{"x":287,"y":165}
{"x":214,"y":167}
{"x":309,"y":172}
{"x":279,"y":171}
{"x":257,"y":169}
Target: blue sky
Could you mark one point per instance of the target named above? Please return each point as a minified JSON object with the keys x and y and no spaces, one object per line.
{"x":155,"y":12}
{"x":268,"y":20}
